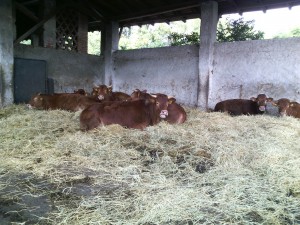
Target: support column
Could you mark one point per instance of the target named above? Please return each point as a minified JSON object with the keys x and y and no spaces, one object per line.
{"x":49,"y":34}
{"x":109,"y":44}
{"x":6,"y":53}
{"x":208,"y":30}
{"x":82,"y":34}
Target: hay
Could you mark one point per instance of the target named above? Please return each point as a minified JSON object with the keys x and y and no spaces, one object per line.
{"x":213,"y":169}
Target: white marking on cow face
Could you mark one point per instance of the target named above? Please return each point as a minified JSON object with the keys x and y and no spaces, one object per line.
{"x":163,"y":114}
{"x":262,"y":108}
{"x":29,"y":106}
{"x":100,"y":97}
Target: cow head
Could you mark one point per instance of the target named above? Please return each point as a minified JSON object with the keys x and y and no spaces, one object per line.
{"x":36,"y":101}
{"x":138,"y":94}
{"x":261,"y":101}
{"x":161,"y":103}
{"x":102,"y":91}
{"x":283,"y":105}
{"x":81,"y":92}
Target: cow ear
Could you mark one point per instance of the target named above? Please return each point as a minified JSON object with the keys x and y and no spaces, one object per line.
{"x":109,"y":88}
{"x":150,"y":100}
{"x":171,"y":100}
{"x":269,"y":99}
{"x":253,"y":99}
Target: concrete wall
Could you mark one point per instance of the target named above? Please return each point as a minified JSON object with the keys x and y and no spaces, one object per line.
{"x":68,"y":70}
{"x":245,"y":69}
{"x":170,"y":70}
{"x":240,"y":70}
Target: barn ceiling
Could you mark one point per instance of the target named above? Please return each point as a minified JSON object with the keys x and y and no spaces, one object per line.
{"x":139,"y":12}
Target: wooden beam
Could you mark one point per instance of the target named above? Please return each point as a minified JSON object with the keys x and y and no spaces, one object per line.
{"x":26,"y":12}
{"x":39,"y":24}
{"x":159,"y":11}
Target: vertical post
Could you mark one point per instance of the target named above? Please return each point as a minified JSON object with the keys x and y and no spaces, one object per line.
{"x":7,"y":32}
{"x":209,"y":20}
{"x":109,"y":44}
{"x":82,"y":34}
{"x":49,"y":34}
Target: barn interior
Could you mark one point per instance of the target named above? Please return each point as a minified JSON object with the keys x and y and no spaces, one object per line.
{"x":197,"y":75}
{"x":212,"y":169}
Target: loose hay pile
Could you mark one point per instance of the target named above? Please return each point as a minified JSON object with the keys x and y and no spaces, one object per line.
{"x":213,"y":169}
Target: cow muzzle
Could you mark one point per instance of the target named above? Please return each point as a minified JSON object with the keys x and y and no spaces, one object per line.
{"x":262,"y":108}
{"x":163,"y":114}
{"x":29,"y":106}
{"x":100,"y":97}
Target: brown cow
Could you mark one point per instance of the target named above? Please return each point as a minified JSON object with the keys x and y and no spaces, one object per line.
{"x":66,"y":101}
{"x":176,"y":113}
{"x":136,"y":114}
{"x":244,"y":106}
{"x":105,"y":93}
{"x":287,"y":108}
{"x":81,"y":92}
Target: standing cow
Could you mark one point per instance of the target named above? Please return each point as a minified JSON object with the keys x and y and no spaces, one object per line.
{"x":176,"y":112}
{"x":235,"y":107}
{"x":131,"y":114}
{"x":287,"y":108}
{"x":105,"y":93}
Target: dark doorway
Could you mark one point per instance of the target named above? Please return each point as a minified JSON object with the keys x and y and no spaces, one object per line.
{"x":30,"y":77}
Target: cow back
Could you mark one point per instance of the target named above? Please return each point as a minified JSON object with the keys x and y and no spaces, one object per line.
{"x":64,"y":101}
{"x":237,"y":107}
{"x":133,"y":114}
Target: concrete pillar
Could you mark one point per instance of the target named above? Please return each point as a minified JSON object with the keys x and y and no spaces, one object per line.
{"x":109,"y":44}
{"x":6,"y":53}
{"x":208,"y":30}
{"x":49,"y":34}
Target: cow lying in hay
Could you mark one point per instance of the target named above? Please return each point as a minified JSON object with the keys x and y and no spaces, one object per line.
{"x":65,"y":101}
{"x":52,"y":173}
{"x":287,"y":108}
{"x":176,"y":113}
{"x":131,"y":114}
{"x":235,"y":107}
{"x":105,"y":93}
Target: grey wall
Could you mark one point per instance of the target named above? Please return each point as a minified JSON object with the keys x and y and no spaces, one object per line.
{"x":68,"y":70}
{"x":170,"y":70}
{"x":245,"y":69}
{"x":240,"y":70}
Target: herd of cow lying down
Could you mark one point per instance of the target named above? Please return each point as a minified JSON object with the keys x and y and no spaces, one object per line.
{"x":141,"y":109}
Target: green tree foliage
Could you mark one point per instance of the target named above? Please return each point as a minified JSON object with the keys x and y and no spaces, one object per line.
{"x":231,"y":30}
{"x":237,"y":30}
{"x":157,"y":35}
{"x":293,"y":33}
{"x":94,"y":43}
{"x":177,"y":39}
{"x":177,"y":33}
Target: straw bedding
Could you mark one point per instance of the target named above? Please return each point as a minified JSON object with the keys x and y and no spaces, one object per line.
{"x":213,"y":169}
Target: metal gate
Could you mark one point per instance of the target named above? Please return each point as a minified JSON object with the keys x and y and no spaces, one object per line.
{"x":30,"y":78}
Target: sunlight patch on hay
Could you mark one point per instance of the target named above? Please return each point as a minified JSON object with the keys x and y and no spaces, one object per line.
{"x":212,"y":169}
